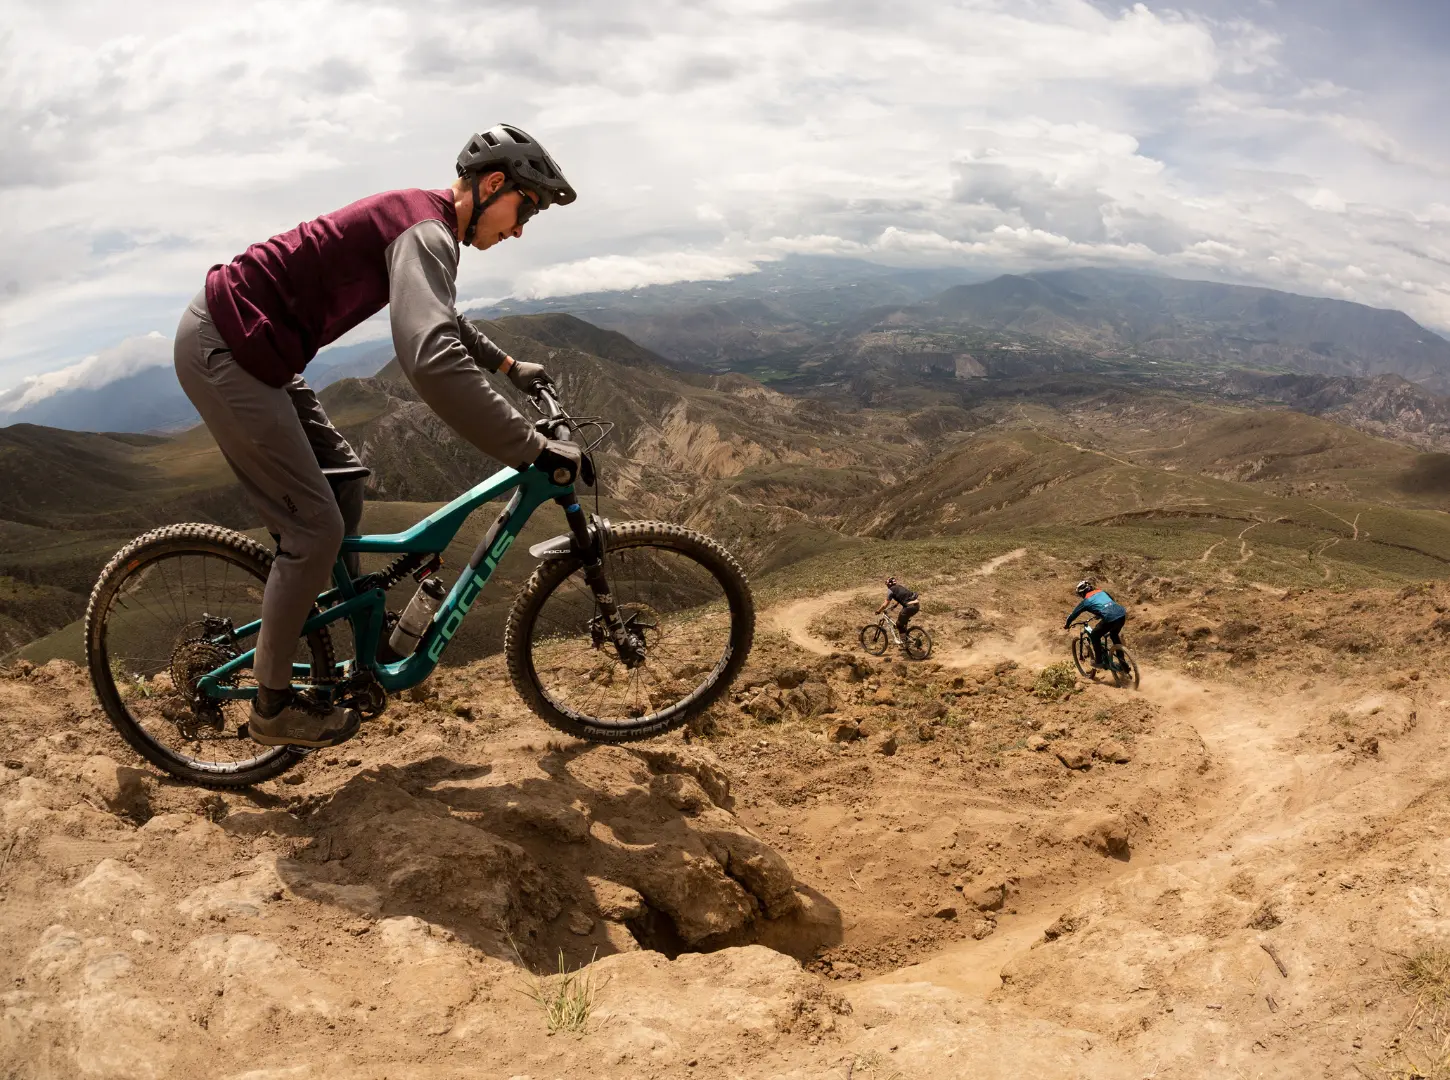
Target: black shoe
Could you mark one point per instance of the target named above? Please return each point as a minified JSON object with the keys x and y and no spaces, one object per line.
{"x":298,"y":720}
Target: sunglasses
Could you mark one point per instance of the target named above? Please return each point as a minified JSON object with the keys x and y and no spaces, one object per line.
{"x":527,"y":208}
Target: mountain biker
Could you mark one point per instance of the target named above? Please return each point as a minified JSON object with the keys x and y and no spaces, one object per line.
{"x":243,"y":342}
{"x":1111,"y":616}
{"x":908,"y":601}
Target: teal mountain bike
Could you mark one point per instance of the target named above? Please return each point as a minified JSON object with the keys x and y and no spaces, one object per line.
{"x":624,"y":631}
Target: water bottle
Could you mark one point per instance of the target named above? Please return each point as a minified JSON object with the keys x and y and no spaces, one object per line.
{"x":416,"y":617}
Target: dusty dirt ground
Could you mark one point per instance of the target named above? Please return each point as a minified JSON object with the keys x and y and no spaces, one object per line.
{"x":855,"y":868}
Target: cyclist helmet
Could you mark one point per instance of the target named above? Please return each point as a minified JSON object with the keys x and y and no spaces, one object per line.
{"x":526,"y":165}
{"x":891,"y":581}
{"x":1084,"y":586}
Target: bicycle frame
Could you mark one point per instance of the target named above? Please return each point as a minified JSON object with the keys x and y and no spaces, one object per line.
{"x":890,"y":627}
{"x":367,"y":610}
{"x":1085,"y":629}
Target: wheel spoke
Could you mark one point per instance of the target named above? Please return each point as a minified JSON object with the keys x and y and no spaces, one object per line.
{"x":152,"y":648}
{"x":677,"y":612}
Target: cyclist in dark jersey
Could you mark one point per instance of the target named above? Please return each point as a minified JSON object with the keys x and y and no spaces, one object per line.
{"x":908,"y":601}
{"x":1111,"y":616}
{"x":244,"y":341}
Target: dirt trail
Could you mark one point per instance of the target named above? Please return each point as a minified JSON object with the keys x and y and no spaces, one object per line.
{"x":979,"y":879}
{"x":1268,"y":795}
{"x":796,"y":617}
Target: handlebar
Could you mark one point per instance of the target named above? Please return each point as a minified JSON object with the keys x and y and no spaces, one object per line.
{"x":548,"y":402}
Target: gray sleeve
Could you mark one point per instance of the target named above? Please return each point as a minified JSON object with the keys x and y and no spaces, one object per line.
{"x":479,"y":345}
{"x":422,"y":263}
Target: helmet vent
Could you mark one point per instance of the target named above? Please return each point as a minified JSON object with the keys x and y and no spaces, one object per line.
{"x":489,"y":138}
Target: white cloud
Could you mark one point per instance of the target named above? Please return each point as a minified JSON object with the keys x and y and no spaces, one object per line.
{"x":702,"y":137}
{"x":609,"y":272}
{"x":127,"y":358}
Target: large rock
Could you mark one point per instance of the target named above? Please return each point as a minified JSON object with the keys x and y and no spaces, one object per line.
{"x":427,"y":861}
{"x":812,"y":699}
{"x":1105,"y":832}
{"x":505,"y":856}
{"x":125,"y":791}
{"x":243,"y":896}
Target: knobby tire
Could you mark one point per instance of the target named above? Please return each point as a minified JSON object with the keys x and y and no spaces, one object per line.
{"x":918,"y":643}
{"x":553,"y":573}
{"x":874,"y":639}
{"x":135,"y":558}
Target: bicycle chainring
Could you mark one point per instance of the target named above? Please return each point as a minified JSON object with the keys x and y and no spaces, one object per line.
{"x":364,"y":693}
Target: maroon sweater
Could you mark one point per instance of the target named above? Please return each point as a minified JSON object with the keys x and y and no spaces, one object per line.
{"x":280,"y":301}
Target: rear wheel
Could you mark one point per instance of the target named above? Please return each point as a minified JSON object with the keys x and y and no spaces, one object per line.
{"x":1125,"y":670}
{"x":687,"y":610}
{"x":874,"y":639}
{"x":1082,"y":657}
{"x":157,"y":622}
{"x":918,"y":643}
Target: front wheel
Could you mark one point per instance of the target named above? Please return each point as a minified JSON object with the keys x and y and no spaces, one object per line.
{"x":918,"y":643}
{"x":874,"y":639}
{"x":157,"y":621}
{"x":1083,"y":658}
{"x":689,"y":615}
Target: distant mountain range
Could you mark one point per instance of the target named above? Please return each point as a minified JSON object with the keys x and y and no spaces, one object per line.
{"x":1230,"y":325}
{"x":151,"y":400}
{"x":849,"y":330}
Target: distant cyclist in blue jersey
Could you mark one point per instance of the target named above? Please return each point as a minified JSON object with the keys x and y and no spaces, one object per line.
{"x":1111,"y":616}
{"x":908,"y":601}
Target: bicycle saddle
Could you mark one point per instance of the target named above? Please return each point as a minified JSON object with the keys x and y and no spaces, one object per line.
{"x":346,"y":472}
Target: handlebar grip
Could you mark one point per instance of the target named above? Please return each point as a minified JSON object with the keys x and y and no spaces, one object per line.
{"x":548,"y":404}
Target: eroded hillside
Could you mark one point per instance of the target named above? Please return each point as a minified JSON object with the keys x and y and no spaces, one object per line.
{"x":976,"y":865}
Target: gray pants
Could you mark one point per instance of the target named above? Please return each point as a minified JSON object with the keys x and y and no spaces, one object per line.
{"x":277,"y":441}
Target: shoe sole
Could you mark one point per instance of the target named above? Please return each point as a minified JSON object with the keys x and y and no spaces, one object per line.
{"x":310,"y":744}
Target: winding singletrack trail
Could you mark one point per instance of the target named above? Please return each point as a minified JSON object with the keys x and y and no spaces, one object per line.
{"x":1272,"y":806}
{"x":795,"y":618}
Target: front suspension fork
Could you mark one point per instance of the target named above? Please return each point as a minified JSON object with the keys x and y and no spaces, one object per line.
{"x":589,"y":542}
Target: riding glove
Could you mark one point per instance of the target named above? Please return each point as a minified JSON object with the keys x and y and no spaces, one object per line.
{"x":527,"y":377}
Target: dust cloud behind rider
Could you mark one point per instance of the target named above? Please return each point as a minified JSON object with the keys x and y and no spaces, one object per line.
{"x":246,"y":337}
{"x":908,"y":604}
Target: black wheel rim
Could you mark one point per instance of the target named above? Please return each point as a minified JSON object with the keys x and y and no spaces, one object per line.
{"x":162,"y":628}
{"x":672,"y":601}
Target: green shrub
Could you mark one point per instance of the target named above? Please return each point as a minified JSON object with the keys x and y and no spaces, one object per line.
{"x":1055,"y":680}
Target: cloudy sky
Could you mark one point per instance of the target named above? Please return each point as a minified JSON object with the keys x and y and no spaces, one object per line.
{"x":1294,"y":143}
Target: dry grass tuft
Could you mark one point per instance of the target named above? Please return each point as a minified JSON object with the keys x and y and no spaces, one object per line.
{"x":567,"y":997}
{"x":1426,"y":974}
{"x":1422,"y":1050}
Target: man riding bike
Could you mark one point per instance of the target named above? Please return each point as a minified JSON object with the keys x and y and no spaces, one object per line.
{"x":908,"y":601}
{"x":1111,"y":616}
{"x":244,"y":340}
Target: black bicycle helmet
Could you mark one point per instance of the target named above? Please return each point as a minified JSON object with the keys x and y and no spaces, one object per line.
{"x":891,"y":581}
{"x":518,"y":155}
